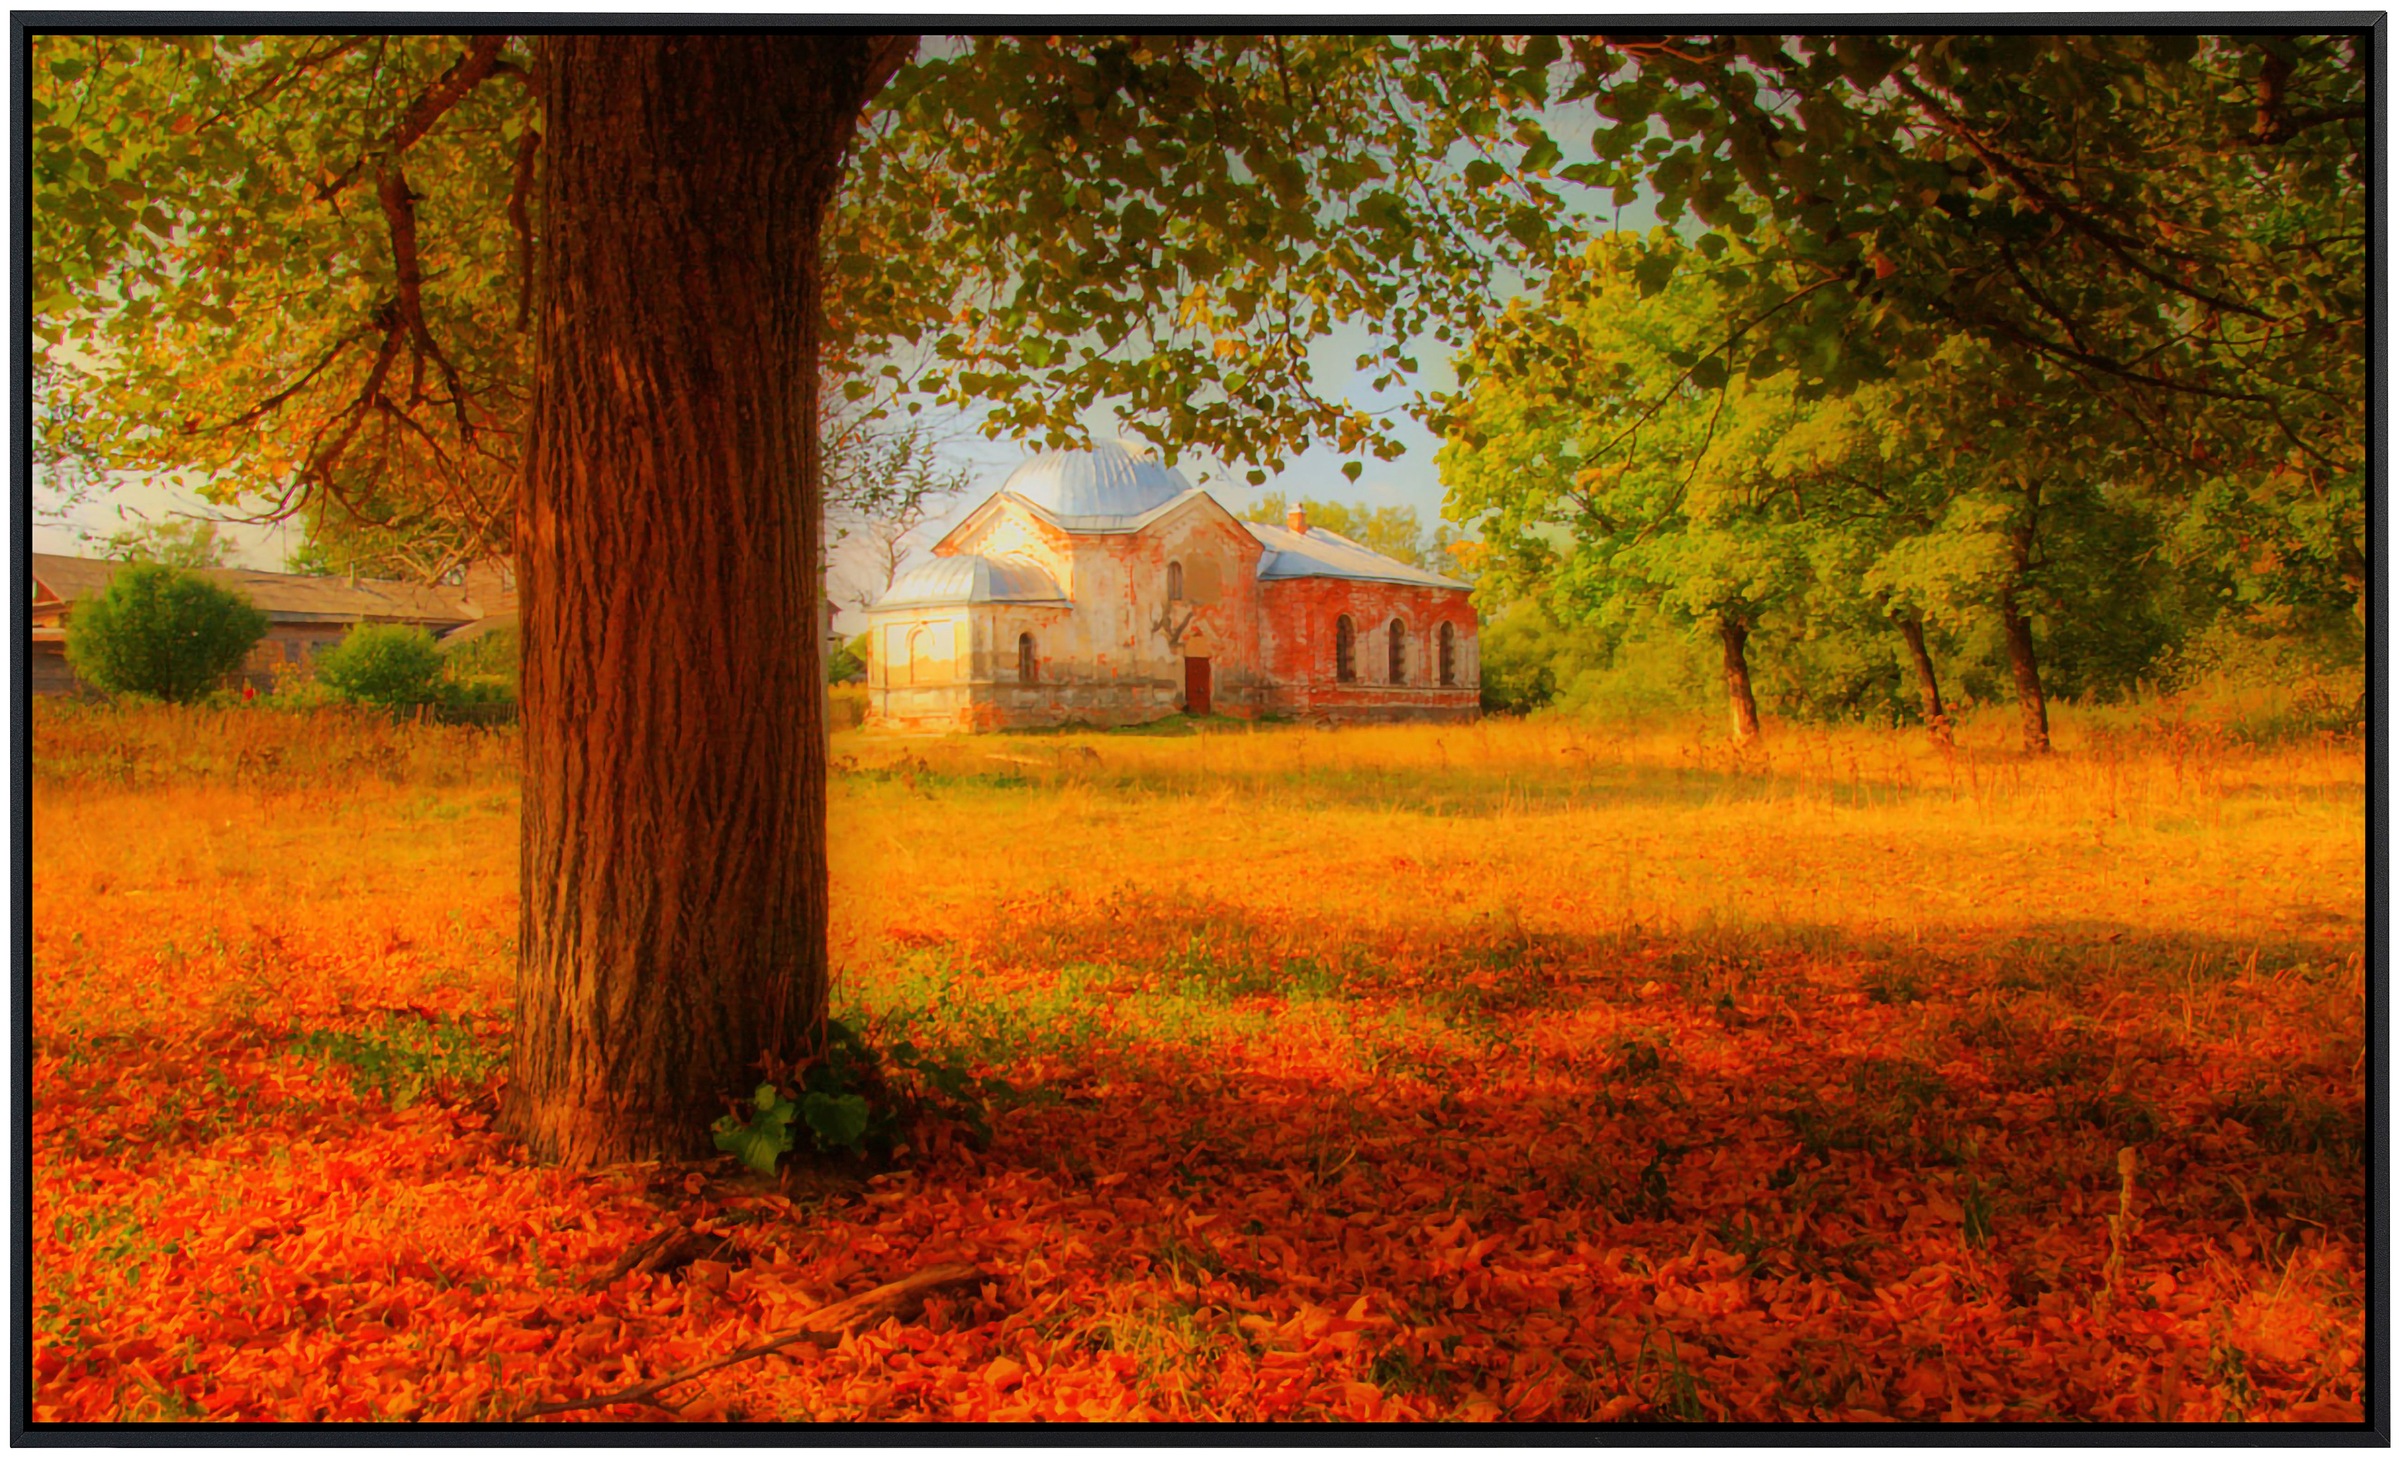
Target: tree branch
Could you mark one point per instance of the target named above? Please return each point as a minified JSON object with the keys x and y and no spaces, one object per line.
{"x":465,"y":73}
{"x":1669,"y":393}
{"x":400,"y":214}
{"x":2008,"y":255}
{"x":2058,"y":207}
{"x":520,"y":222}
{"x":321,"y":465}
{"x":824,"y":1327}
{"x":288,"y":391}
{"x":2105,"y":365}
{"x":274,"y":84}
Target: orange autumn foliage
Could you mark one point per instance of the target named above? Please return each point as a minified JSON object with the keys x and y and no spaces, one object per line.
{"x":1508,"y":1072}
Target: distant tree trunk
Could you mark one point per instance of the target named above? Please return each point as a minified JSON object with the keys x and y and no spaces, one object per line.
{"x":673,"y":922}
{"x":1735,"y":634}
{"x":1929,"y":688}
{"x":2353,"y":564}
{"x":2032,"y":709}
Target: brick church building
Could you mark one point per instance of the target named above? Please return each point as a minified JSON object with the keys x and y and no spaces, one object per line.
{"x":1102,"y":587}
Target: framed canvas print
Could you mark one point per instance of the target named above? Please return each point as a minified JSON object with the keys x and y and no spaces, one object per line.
{"x":773,"y":725}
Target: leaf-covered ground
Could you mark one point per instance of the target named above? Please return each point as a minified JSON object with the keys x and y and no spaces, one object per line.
{"x":1510,"y":1072}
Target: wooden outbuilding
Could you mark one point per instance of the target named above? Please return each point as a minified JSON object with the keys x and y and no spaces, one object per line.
{"x":305,"y":615}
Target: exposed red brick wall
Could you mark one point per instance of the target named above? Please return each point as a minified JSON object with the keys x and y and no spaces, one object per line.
{"x":1220,"y":623}
{"x":1300,"y":617}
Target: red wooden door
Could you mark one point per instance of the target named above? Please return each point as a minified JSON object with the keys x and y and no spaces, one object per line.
{"x":1195,"y":685}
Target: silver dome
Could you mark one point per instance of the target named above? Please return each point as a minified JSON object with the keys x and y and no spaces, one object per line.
{"x":969,"y":578}
{"x":1109,"y":480}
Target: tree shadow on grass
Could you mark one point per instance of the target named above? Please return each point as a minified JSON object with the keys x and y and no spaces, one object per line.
{"x":1639,"y":1119}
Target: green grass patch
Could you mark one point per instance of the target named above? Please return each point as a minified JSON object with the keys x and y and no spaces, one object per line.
{"x":402,"y":1058}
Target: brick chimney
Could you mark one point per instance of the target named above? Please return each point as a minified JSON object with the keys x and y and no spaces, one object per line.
{"x":1297,"y":520}
{"x":491,"y":586}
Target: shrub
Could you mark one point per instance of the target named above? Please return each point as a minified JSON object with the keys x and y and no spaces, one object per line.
{"x":485,"y":701}
{"x":1519,"y":651}
{"x":162,"y":632}
{"x":848,"y":664}
{"x":385,"y":664}
{"x":846,"y":705}
{"x":488,"y":655}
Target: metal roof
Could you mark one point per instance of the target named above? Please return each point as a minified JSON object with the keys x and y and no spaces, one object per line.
{"x":1320,"y":553}
{"x":1101,"y":526}
{"x":483,"y":627}
{"x":1114,"y":488}
{"x":278,"y":594}
{"x":970,"y":578}
{"x":1107,"y":483}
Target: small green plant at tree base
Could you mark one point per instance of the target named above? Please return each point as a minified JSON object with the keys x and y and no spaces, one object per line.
{"x":834,"y":1122}
{"x":852,"y":1100}
{"x":162,"y":632}
{"x":384,"y":664}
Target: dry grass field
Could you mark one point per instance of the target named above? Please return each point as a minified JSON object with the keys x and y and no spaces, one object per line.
{"x":1506,"y":1072}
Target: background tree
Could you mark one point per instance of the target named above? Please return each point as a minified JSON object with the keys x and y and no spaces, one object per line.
{"x":1392,"y":530}
{"x":881,"y":484}
{"x":172,"y":542}
{"x":1966,"y":500}
{"x":1607,"y":420}
{"x":2172,"y":225}
{"x":161,"y":631}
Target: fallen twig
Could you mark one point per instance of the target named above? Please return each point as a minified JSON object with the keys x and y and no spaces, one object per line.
{"x":665,"y":1253}
{"x":638,"y":1254}
{"x":825,"y":1327}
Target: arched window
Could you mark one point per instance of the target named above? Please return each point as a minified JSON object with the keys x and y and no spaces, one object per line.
{"x":1345,"y":650}
{"x":1174,"y":582}
{"x":1398,"y":636}
{"x":1025,"y":664}
{"x":1449,"y":649}
{"x":920,"y":644}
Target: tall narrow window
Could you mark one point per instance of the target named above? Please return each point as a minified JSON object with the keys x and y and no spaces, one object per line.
{"x":1449,"y":646}
{"x":1398,"y":642}
{"x":1345,"y":650}
{"x":1025,"y":664}
{"x":1174,"y":582}
{"x":920,"y":650}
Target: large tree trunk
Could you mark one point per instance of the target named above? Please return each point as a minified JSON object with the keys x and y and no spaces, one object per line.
{"x":1929,"y":688}
{"x":673,"y":923}
{"x":2033,"y":710}
{"x":1735,"y":634}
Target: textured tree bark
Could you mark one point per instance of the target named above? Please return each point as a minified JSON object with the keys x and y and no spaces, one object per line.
{"x":2033,"y":710}
{"x":1735,"y":635}
{"x":673,"y":854}
{"x":1929,"y":688}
